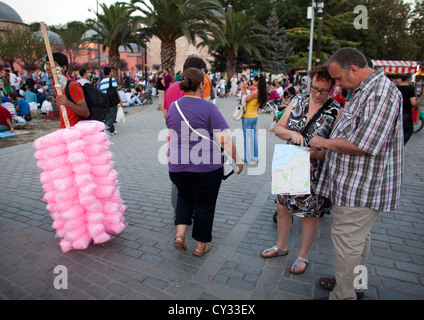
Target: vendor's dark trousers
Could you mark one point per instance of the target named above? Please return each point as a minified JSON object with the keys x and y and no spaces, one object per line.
{"x":197,"y":192}
{"x":111,"y":118}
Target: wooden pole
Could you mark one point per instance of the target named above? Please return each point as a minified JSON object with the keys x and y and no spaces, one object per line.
{"x":53,"y":69}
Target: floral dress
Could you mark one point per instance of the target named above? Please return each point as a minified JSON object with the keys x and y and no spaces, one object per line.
{"x":310,"y":205}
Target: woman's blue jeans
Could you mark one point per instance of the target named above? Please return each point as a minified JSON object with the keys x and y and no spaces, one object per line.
{"x":250,"y":139}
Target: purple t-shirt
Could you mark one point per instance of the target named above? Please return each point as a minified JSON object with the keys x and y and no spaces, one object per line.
{"x":187,"y":150}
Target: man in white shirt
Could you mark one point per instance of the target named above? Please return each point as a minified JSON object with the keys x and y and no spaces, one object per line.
{"x":123,"y":96}
{"x":46,"y":110}
{"x":279,"y":88}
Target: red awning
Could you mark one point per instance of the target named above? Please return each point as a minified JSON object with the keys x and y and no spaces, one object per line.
{"x":394,"y":66}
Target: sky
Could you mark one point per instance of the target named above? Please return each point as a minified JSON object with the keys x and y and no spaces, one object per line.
{"x":56,"y":12}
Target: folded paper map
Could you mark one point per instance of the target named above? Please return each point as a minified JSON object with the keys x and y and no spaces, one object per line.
{"x":290,"y":170}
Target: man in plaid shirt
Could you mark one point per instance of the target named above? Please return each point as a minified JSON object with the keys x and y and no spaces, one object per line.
{"x":363,"y":164}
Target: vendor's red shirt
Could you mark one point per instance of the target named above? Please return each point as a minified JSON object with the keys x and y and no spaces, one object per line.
{"x":77,"y":94}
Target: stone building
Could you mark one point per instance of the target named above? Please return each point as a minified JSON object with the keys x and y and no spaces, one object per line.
{"x":9,"y":18}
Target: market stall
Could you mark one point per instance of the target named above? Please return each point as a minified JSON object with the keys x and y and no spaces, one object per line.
{"x":398,"y":66}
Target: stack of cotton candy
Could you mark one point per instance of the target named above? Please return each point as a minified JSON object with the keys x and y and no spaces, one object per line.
{"x":80,"y":184}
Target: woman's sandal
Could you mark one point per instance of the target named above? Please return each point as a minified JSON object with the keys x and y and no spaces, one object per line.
{"x":277,"y":252}
{"x":179,"y":244}
{"x":201,"y":250}
{"x":295,"y":263}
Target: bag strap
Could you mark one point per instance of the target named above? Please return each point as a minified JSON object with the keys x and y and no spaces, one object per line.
{"x":316,"y":116}
{"x":196,"y":132}
{"x":67,"y":93}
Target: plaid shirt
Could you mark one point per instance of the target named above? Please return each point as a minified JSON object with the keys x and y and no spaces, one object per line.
{"x":372,"y":121}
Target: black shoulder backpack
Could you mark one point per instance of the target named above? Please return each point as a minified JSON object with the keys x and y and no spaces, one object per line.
{"x":97,"y":101}
{"x":112,"y":94}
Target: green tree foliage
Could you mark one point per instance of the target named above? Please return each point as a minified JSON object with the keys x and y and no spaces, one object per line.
{"x":170,"y":20}
{"x":239,"y":31}
{"x":390,"y":21}
{"x":278,"y":47}
{"x":417,"y":28}
{"x":72,"y":39}
{"x":23,"y":47}
{"x":114,"y":30}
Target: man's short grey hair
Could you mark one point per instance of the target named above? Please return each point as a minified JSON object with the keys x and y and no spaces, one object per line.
{"x":346,"y":57}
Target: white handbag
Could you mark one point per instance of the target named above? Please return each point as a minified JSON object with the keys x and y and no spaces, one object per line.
{"x":228,"y":168}
{"x":241,"y":109}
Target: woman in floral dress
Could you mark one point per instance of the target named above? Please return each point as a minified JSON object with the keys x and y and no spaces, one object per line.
{"x":306,"y":116}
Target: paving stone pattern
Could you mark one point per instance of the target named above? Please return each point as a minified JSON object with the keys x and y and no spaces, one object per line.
{"x":141,"y":263}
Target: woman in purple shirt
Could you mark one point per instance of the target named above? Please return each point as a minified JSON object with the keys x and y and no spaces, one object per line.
{"x":195,"y":163}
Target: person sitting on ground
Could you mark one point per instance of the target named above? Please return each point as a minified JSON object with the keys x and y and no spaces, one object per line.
{"x":22,"y":106}
{"x":123,"y":96}
{"x":6,"y":121}
{"x":18,"y":121}
{"x":41,"y":97}
{"x":47,"y":108}
{"x":29,"y":95}
{"x":134,"y":98}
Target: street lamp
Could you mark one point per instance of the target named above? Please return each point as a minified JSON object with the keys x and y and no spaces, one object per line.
{"x":98,"y":44}
{"x":311,"y":39}
{"x":145,"y":60}
{"x":320,"y":14}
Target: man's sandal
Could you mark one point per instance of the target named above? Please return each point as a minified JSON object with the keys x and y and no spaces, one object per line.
{"x":329,"y":283}
{"x":267,"y":253}
{"x":295,"y":263}
{"x":201,"y":250}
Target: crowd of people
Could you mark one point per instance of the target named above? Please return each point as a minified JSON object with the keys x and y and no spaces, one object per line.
{"x":340,"y":121}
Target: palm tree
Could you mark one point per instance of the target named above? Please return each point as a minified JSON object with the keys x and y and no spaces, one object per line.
{"x":239,"y":31}
{"x":172,"y":19}
{"x":114,"y":29}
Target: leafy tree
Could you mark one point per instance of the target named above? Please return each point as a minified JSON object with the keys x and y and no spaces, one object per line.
{"x":22,"y":46}
{"x":390,"y":20}
{"x":278,"y":47}
{"x":239,"y":31}
{"x":114,"y":30}
{"x":170,"y":20}
{"x":72,"y":39}
{"x":417,"y":29}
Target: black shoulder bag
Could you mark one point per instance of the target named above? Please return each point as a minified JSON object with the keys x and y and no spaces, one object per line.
{"x":316,"y":117}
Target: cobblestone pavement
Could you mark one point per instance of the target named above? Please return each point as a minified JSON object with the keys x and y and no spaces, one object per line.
{"x":141,"y":263}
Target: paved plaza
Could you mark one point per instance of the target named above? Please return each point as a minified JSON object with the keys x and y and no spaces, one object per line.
{"x":141,"y":262}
